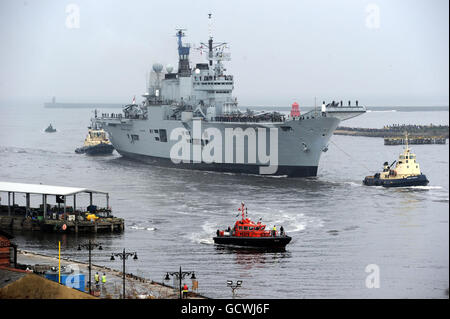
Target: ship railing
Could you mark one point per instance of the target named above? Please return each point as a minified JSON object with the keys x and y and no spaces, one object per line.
{"x":120,"y":116}
{"x":308,"y":115}
{"x":352,"y":108}
{"x":250,"y":119}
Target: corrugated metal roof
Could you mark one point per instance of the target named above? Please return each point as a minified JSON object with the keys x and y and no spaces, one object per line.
{"x":44,"y":189}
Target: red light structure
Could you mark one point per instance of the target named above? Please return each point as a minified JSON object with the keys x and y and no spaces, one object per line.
{"x":295,"y":111}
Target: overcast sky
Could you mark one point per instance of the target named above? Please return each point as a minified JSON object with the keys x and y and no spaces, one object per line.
{"x":393,"y":52}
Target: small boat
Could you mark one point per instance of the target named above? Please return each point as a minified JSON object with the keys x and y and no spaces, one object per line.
{"x":50,"y":129}
{"x":250,"y":234}
{"x":405,"y":173}
{"x":96,"y":143}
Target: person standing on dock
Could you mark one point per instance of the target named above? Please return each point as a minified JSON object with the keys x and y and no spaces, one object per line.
{"x":104,"y":279}
{"x":185,"y":291}
{"x":96,"y":278}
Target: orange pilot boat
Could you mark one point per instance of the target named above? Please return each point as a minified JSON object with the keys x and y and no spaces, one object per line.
{"x":248,"y":233}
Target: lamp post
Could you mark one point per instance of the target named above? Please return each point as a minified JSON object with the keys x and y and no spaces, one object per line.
{"x":89,"y":246}
{"x":180,"y":276}
{"x":124,"y":256}
{"x":233,"y":287}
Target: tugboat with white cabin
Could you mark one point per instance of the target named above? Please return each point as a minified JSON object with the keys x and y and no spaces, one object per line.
{"x":96,"y":142}
{"x":405,"y":173}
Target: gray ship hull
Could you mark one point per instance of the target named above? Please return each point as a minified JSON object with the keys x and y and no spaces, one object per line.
{"x":300,"y":143}
{"x":286,"y":170}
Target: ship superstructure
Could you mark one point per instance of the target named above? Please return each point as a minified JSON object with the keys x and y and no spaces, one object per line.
{"x":190,"y":119}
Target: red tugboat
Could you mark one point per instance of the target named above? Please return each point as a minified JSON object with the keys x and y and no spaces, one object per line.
{"x":248,"y":233}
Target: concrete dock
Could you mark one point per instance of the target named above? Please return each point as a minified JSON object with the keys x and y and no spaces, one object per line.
{"x":19,"y":223}
{"x":136,"y":287}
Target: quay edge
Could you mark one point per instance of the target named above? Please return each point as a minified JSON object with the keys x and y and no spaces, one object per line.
{"x":16,"y":223}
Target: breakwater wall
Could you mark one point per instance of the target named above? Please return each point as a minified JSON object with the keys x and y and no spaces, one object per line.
{"x":417,"y":134}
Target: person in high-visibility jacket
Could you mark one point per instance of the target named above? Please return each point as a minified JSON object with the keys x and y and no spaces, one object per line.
{"x":104,"y":279}
{"x":96,"y":278}
{"x":185,"y":290}
{"x":274,"y":231}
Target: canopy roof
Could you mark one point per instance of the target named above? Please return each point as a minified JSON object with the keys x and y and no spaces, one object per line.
{"x":44,"y":189}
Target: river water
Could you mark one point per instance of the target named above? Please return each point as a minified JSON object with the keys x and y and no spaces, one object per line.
{"x":340,"y":228}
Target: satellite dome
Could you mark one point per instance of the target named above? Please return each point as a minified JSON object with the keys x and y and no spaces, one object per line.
{"x":169,"y":68}
{"x":157,"y":67}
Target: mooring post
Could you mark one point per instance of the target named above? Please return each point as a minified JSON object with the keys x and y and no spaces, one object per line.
{"x":65,"y":217}
{"x":9,"y":203}
{"x":27,"y":208}
{"x":14,"y":203}
{"x":45,"y":205}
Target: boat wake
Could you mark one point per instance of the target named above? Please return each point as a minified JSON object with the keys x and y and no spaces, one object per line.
{"x":205,"y":236}
{"x":353,"y":184}
{"x":411,"y":188}
{"x":295,"y":223}
{"x":424,"y":187}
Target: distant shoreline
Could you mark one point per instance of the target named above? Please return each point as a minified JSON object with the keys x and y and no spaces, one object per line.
{"x":59,"y":105}
{"x":414,"y":131}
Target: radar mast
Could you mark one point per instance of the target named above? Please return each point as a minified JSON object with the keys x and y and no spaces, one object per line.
{"x":215,"y":50}
{"x":183,"y":53}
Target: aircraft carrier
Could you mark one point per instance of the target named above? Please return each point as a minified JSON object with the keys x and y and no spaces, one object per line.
{"x":189,"y":119}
